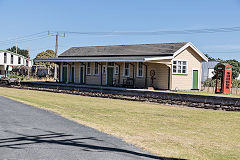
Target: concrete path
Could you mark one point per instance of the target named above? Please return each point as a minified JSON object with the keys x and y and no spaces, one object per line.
{"x":30,"y":133}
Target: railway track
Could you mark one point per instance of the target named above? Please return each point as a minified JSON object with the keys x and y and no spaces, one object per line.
{"x":168,"y":98}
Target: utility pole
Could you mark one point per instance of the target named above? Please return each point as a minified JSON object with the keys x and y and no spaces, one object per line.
{"x":16,"y":47}
{"x":56,"y":51}
{"x":28,"y":68}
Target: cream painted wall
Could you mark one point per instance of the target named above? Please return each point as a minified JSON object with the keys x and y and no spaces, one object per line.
{"x":161,"y":81}
{"x":185,"y":82}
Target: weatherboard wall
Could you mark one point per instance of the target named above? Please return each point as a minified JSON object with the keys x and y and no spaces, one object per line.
{"x":194,"y":62}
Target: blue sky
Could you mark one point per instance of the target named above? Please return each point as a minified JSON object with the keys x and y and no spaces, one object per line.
{"x":25,"y":17}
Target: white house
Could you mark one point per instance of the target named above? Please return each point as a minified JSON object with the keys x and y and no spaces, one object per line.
{"x":9,"y":59}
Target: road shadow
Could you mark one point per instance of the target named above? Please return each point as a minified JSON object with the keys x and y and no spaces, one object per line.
{"x":50,"y":137}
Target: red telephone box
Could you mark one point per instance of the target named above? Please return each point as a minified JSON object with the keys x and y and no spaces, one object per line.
{"x":223,"y":78}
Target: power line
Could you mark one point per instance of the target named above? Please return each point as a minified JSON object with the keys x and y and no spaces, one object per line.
{"x":25,"y":40}
{"x":24,"y":37}
{"x":41,"y":35}
{"x":223,"y":51}
{"x":162,"y":32}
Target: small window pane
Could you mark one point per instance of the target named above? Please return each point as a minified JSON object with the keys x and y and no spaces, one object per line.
{"x":126,"y":69}
{"x":88,"y":68}
{"x":96,"y":68}
{"x":174,"y":69}
{"x":104,"y":70}
{"x":180,"y":67}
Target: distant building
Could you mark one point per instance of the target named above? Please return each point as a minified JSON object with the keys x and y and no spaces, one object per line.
{"x":208,"y":69}
{"x":9,"y":59}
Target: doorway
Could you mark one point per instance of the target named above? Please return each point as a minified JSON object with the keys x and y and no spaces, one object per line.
{"x":195,"y":79}
{"x":110,"y":76}
{"x":81,"y":75}
{"x":64,"y":74}
{"x":72,"y":74}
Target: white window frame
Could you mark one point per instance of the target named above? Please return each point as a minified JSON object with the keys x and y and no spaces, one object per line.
{"x":12,"y":59}
{"x":19,"y":60}
{"x":96,"y":66}
{"x":88,"y":67}
{"x":104,"y":69}
{"x":5,"y":57}
{"x":124,"y":69}
{"x":140,"y":76}
{"x":181,"y":67}
{"x":116,"y":69}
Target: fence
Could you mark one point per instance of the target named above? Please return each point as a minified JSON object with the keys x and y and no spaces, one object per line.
{"x":212,"y":90}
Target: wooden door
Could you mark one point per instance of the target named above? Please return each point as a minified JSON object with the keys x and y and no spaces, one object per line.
{"x":195,"y":79}
{"x":81,"y":75}
{"x":64,"y":74}
{"x":110,"y":76}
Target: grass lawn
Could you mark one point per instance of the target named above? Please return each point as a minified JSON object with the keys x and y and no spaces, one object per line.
{"x":169,"y":131}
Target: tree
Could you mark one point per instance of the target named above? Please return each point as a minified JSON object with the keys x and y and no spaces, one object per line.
{"x":234,"y":63}
{"x":44,"y":55}
{"x":235,"y":67}
{"x":210,"y":58}
{"x":22,"y":52}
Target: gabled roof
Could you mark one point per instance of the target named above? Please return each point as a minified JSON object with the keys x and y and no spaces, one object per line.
{"x":124,"y":53}
{"x":189,"y":44}
{"x":161,"y":49}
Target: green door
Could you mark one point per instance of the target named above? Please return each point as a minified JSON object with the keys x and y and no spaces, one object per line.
{"x":64,"y":74}
{"x":72,"y":76}
{"x":81,"y":75}
{"x":195,"y":79}
{"x":110,"y":76}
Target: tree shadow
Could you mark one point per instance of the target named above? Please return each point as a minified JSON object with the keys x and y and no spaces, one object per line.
{"x":51,"y":137}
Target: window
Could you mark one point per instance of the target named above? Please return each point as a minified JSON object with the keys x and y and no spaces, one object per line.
{"x":179,"y":67}
{"x":126,"y":69}
{"x":11,"y":59}
{"x":5,"y":57}
{"x":116,"y":70}
{"x":26,"y":62}
{"x":140,"y":69}
{"x":89,"y":68}
{"x":19,"y":60}
{"x":96,"y":68}
{"x":104,"y":70}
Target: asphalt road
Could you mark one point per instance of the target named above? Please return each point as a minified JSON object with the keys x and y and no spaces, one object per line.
{"x":30,"y":133}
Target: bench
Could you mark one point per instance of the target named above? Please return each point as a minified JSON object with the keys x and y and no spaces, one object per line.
{"x":128,"y":83}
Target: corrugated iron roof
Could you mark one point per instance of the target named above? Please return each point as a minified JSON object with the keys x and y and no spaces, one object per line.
{"x":161,"y":49}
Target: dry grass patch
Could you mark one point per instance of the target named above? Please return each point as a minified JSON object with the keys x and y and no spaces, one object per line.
{"x":164,"y":130}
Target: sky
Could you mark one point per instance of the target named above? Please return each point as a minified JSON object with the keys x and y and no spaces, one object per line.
{"x":20,"y":18}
